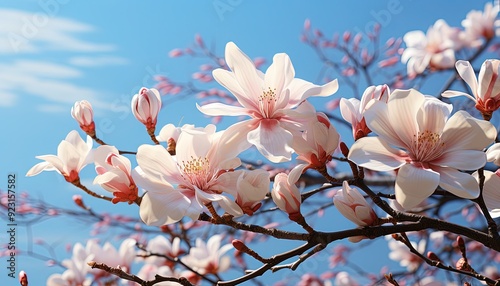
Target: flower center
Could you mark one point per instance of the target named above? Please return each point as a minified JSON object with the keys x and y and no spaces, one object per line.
{"x":426,"y":146}
{"x":267,"y":102}
{"x":196,"y":171}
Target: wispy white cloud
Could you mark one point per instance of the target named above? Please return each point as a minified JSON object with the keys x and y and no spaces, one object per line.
{"x":89,"y":61}
{"x":48,"y":81}
{"x":27,"y":32}
{"x":28,"y":40}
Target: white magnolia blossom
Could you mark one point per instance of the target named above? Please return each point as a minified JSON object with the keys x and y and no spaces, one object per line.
{"x":399,"y":252}
{"x":436,"y":49}
{"x":181,"y":185}
{"x":481,"y":24}
{"x":272,"y":100}
{"x":491,"y":191}
{"x":417,"y":137}
{"x":209,"y":257}
{"x":353,"y":109}
{"x":72,"y":155}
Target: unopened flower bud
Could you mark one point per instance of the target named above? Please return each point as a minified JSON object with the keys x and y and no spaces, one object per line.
{"x":286,"y":195}
{"x":83,"y":113}
{"x":353,"y":206}
{"x":23,"y":278}
{"x":146,"y":105}
{"x":432,"y":256}
{"x":79,"y":201}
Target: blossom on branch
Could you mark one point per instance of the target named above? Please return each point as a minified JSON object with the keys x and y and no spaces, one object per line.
{"x":481,"y":24}
{"x":285,"y":193}
{"x":317,"y":143}
{"x":486,"y":88}
{"x":435,"y":50}
{"x":353,"y":109}
{"x":72,"y":155}
{"x":114,"y":174}
{"x":353,"y":206}
{"x":416,"y":137}
{"x":272,"y":100}
{"x":209,"y":258}
{"x":182,"y":185}
{"x":83,"y":113}
{"x":145,"y":106}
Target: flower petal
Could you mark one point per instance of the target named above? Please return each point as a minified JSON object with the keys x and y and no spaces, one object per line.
{"x":462,"y":132}
{"x":491,"y":192}
{"x":462,"y":159}
{"x":402,"y":108}
{"x":157,"y":164}
{"x":272,"y":141}
{"x":375,"y":154}
{"x":454,"y":93}
{"x":38,"y":168}
{"x":217,"y":108}
{"x":460,"y":184}
{"x":166,"y":208}
{"x":229,"y":81}
{"x":466,"y":72}
{"x":414,"y":185}
{"x":280,"y":73}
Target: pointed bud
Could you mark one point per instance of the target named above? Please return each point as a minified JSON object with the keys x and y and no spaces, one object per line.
{"x":353,"y":206}
{"x":23,"y":278}
{"x":79,"y":201}
{"x":286,"y":195}
{"x":432,"y":256}
{"x":146,"y":105}
{"x":83,"y":113}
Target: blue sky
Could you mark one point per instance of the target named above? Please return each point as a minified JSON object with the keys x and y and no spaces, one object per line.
{"x":53,"y":53}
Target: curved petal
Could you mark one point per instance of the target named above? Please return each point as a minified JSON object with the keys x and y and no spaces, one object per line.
{"x":414,"y":185}
{"x":454,"y":93}
{"x":491,"y":192}
{"x":229,"y":81}
{"x":378,"y":120}
{"x":301,"y":90}
{"x":402,"y":109}
{"x":233,"y":141}
{"x":433,"y":115}
{"x":467,"y":73}
{"x":38,"y":168}
{"x":462,"y":132}
{"x":69,"y":157}
{"x":158,"y":164}
{"x":460,"y":184}
{"x":244,"y":71}
{"x":217,"y":108}
{"x":493,"y":154}
{"x":54,"y":161}
{"x":349,"y":109}
{"x":159,"y":209}
{"x":462,"y":159}
{"x":374,"y":154}
{"x":272,"y":141}
{"x":280,"y":73}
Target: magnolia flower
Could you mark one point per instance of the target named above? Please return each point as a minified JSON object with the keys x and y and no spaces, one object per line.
{"x":400,"y":252}
{"x":317,"y":143}
{"x":416,"y":137}
{"x":72,"y":155}
{"x":486,"y":88}
{"x":114,"y":174}
{"x":109,"y":255}
{"x":353,"y":206}
{"x":76,"y":269}
{"x":161,"y":245}
{"x":148,"y":272}
{"x":491,"y":192}
{"x":208,"y":258}
{"x":272,"y":100}
{"x":82,"y":112}
{"x":479,"y":24}
{"x":249,"y":189}
{"x":344,"y":279}
{"x":436,"y":49}
{"x":180,"y":186}
{"x":146,"y":105}
{"x":353,"y":109}
{"x":285,"y":193}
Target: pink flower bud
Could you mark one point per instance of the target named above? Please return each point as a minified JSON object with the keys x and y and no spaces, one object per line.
{"x":352,"y":205}
{"x":285,"y":194}
{"x":82,"y":112}
{"x":23,"y":278}
{"x":78,"y":201}
{"x":175,"y":53}
{"x":307,"y":24}
{"x":146,"y":105}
